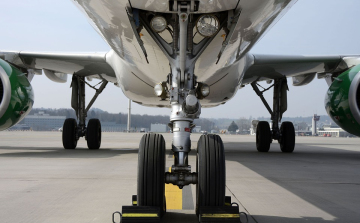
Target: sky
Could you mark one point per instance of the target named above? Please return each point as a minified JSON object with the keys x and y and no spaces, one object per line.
{"x":321,"y":27}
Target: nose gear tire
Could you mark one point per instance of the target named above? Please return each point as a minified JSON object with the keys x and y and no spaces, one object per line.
{"x":210,"y":166}
{"x":151,"y":171}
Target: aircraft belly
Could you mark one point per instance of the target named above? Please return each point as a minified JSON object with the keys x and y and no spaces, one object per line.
{"x":205,"y":6}
{"x":110,"y":19}
{"x":136,"y":86}
{"x":137,"y":77}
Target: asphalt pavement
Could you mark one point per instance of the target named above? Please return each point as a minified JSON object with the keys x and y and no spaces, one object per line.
{"x":42,"y":182}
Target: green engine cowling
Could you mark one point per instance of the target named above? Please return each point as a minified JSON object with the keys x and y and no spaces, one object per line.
{"x":16,"y":95}
{"x":342,"y":101}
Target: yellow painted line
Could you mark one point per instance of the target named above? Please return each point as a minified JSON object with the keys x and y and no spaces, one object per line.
{"x":173,"y":196}
{"x":139,"y":215}
{"x":220,"y":215}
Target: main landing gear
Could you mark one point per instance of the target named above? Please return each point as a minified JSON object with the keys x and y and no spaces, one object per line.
{"x":72,"y":130}
{"x":286,"y":133}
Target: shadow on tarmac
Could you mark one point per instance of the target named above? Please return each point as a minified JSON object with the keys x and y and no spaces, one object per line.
{"x":36,"y":152}
{"x":277,"y":219}
{"x":192,"y":218}
{"x":175,"y":217}
{"x":327,"y":178}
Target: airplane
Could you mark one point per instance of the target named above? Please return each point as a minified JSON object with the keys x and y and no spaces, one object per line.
{"x":185,"y":55}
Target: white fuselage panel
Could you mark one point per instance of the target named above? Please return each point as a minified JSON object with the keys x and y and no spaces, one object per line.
{"x":136,"y":77}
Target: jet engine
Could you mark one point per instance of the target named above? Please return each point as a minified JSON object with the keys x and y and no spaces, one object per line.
{"x":342,"y":100}
{"x":16,"y":95}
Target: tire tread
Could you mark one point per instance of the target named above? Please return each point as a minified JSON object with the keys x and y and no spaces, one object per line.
{"x":263,"y":136}
{"x":211,"y":172}
{"x":69,"y":134}
{"x":151,"y":171}
{"x":287,"y":141}
{"x":93,"y":134}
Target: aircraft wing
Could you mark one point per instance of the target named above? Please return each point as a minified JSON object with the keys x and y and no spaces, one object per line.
{"x":302,"y":69}
{"x":57,"y":65}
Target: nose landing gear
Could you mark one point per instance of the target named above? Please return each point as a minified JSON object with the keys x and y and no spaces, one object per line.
{"x":184,"y":97}
{"x":211,"y":203}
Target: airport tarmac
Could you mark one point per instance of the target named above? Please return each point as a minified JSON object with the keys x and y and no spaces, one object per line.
{"x":42,"y":182}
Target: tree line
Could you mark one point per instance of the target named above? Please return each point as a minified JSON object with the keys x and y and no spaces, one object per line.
{"x":137,"y":121}
{"x":145,"y":121}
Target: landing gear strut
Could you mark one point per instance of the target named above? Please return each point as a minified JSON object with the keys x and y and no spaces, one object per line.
{"x":286,"y":133}
{"x":184,"y":94}
{"x":72,"y":130}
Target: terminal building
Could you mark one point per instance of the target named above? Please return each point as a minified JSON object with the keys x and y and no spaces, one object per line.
{"x":113,"y":127}
{"x":333,"y":131}
{"x":196,"y":129}
{"x":43,"y":122}
{"x":158,"y":128}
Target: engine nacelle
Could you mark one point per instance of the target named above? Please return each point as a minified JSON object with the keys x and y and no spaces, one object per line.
{"x":342,"y":101}
{"x":16,"y":95}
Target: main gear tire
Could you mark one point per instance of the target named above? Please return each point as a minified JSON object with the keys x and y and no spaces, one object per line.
{"x":287,"y":138}
{"x":69,"y":137}
{"x":93,"y":134}
{"x":263,"y":137}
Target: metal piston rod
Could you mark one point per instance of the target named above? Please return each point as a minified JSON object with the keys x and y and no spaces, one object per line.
{"x":185,"y":106}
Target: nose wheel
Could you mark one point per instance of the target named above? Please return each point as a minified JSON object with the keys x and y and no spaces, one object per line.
{"x":151,"y":172}
{"x":210,"y":166}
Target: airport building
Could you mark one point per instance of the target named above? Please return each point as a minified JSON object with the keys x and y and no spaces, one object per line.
{"x":113,"y":127}
{"x":196,"y":129}
{"x":20,"y":127}
{"x":43,"y":122}
{"x":333,"y":131}
{"x":158,"y":128}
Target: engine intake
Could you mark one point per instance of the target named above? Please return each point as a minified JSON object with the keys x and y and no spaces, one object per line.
{"x":354,"y":97}
{"x":16,"y":95}
{"x":5,"y":91}
{"x":342,"y":101}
